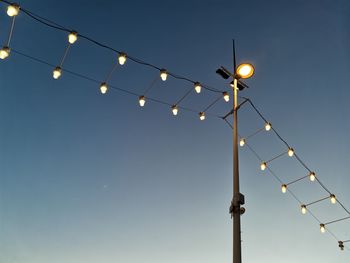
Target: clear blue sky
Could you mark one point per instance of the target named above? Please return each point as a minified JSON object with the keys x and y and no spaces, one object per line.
{"x":86,"y":178}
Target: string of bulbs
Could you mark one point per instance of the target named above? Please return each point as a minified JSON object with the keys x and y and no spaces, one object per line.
{"x":14,"y":9}
{"x":311,"y":175}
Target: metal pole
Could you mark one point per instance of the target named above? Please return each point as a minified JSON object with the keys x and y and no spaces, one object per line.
{"x":237,"y":197}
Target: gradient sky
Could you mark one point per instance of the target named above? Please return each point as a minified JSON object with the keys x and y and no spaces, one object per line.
{"x":86,"y":178}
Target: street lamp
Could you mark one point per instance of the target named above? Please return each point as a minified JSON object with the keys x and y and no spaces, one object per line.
{"x":243,"y":71}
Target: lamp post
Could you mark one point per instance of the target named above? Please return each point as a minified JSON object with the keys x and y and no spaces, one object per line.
{"x":243,"y":71}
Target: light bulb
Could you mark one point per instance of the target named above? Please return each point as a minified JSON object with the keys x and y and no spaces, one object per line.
{"x":103,"y":88}
{"x":268,"y":126}
{"x":122,"y":58}
{"x":263,"y":166}
{"x":142,"y":101}
{"x":322,"y":228}
{"x":242,"y":142}
{"x":13,"y":10}
{"x":163,"y":74}
{"x":57,"y":72}
{"x":245,"y":70}
{"x":290,"y":152}
{"x":284,"y":188}
{"x":4,"y":52}
{"x":226,"y":96}
{"x":341,"y":245}
{"x":303,"y":209}
{"x":197,"y":87}
{"x":333,"y":199}
{"x":312,"y":176}
{"x":72,"y":37}
{"x":202,"y":116}
{"x":175,"y":110}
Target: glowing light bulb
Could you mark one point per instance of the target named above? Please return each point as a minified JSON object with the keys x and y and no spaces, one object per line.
{"x":72,"y":37}
{"x":245,"y":70}
{"x":268,"y":126}
{"x":263,"y":166}
{"x":103,"y":88}
{"x":197,"y":87}
{"x":122,"y":58}
{"x":175,"y":110}
{"x":322,"y":228}
{"x":312,"y":176}
{"x":290,"y":152}
{"x":242,"y":142}
{"x":163,"y":74}
{"x":284,"y":188}
{"x":303,"y":209}
{"x":13,"y":10}
{"x":57,"y":72}
{"x":333,"y":199}
{"x":202,"y":116}
{"x":142,"y":101}
{"x":4,"y":52}
{"x":226,"y":96}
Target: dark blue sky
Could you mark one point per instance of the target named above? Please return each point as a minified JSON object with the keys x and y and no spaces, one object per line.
{"x":91,"y":178}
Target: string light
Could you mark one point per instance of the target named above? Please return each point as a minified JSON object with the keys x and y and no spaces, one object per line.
{"x":4,"y":52}
{"x":57,"y":72}
{"x":226,"y":96}
{"x":268,"y":126}
{"x":122,"y":58}
{"x":263,"y":166}
{"x":303,"y":209}
{"x":72,"y":37}
{"x":103,"y":88}
{"x":312,"y":176}
{"x":341,"y":245}
{"x":13,"y":10}
{"x":142,"y":101}
{"x":242,"y":142}
{"x":163,"y":74}
{"x":333,"y":199}
{"x":175,"y":110}
{"x":202,"y":116}
{"x":322,"y":228}
{"x":290,"y":152}
{"x":284,"y":188}
{"x":197,"y":87}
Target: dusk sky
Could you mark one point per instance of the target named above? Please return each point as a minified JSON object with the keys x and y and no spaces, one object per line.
{"x":92,"y":178}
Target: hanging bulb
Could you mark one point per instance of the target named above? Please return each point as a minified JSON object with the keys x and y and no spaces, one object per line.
{"x":72,"y":37}
{"x":303,"y":209}
{"x":242,"y":142}
{"x":226,"y":96}
{"x":13,"y":10}
{"x":4,"y":52}
{"x":322,"y":228}
{"x":268,"y":126}
{"x":284,"y":188}
{"x":175,"y":110}
{"x":57,"y":72}
{"x":122,"y":58}
{"x":263,"y":166}
{"x":197,"y":87}
{"x":142,"y":101}
{"x":333,"y":199}
{"x":341,"y":245}
{"x":103,"y":88}
{"x":312,"y":176}
{"x":202,"y":116}
{"x":290,"y":152}
{"x":163,"y":74}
